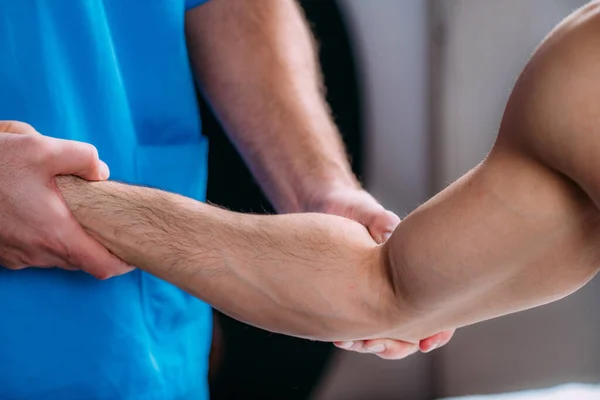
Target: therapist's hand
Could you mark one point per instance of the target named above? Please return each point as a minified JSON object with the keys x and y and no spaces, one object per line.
{"x":36,"y":227}
{"x":391,"y":349}
{"x":357,"y":204}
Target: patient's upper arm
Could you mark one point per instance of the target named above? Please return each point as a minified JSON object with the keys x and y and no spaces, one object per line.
{"x":554,"y":111}
{"x":521,"y":229}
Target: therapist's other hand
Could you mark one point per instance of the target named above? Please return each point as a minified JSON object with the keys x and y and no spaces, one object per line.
{"x":391,"y":349}
{"x":357,"y":204}
{"x":36,"y":227}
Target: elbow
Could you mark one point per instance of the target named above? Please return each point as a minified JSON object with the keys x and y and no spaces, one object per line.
{"x":379,"y":307}
{"x":412,"y":310}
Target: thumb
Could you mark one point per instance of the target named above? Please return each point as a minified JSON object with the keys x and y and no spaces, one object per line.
{"x":77,"y":158}
{"x":381,"y":224}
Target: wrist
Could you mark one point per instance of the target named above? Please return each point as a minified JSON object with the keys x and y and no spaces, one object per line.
{"x":309,"y":191}
{"x":91,"y":203}
{"x":311,"y":170}
{"x":69,"y":189}
{"x":318,"y":193}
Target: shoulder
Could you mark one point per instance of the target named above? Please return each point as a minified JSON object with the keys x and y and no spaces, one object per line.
{"x":553,"y":114}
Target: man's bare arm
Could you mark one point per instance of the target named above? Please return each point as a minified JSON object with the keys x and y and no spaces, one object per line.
{"x":518,"y":231}
{"x":494,"y":243}
{"x":507,"y":237}
{"x":256,"y":62}
{"x":525,"y":222}
{"x":309,"y":275}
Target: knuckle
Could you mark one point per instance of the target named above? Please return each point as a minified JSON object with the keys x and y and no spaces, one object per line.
{"x":30,"y":141}
{"x":70,"y":255}
{"x":37,"y":258}
{"x":41,"y":151}
{"x":88,"y":150}
{"x":22,"y":127}
{"x":16,"y":266}
{"x":17,"y":127}
{"x":52,"y":245}
{"x":38,"y":261}
{"x":44,"y":241}
{"x":13,"y":262}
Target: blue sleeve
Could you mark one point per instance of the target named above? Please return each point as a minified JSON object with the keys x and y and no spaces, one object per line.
{"x":189,"y":4}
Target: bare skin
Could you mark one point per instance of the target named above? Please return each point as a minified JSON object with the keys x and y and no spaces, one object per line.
{"x":286,"y":134}
{"x":35,"y":226}
{"x":518,"y":231}
{"x":257,"y":65}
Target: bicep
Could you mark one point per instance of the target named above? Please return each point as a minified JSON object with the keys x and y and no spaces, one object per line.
{"x":509,"y":235}
{"x":552,"y":112}
{"x":520,"y":229}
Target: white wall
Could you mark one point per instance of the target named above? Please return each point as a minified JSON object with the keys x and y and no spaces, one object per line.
{"x":390,"y":38}
{"x":480,"y":48}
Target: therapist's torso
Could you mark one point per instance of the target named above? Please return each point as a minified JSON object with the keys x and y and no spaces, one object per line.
{"x":114,"y":73}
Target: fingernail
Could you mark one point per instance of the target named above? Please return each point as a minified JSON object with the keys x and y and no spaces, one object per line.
{"x":386,"y":236}
{"x":345,"y":345}
{"x":433,"y":347}
{"x":104,"y":170}
{"x":378,"y":348}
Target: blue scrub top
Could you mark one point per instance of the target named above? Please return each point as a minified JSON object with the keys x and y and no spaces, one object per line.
{"x":114,"y":73}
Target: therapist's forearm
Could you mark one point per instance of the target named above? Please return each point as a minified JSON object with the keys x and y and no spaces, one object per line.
{"x":307,"y":275}
{"x":257,"y":64}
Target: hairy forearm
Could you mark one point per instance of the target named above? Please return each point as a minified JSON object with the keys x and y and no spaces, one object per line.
{"x":308,"y":275}
{"x":257,"y":65}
